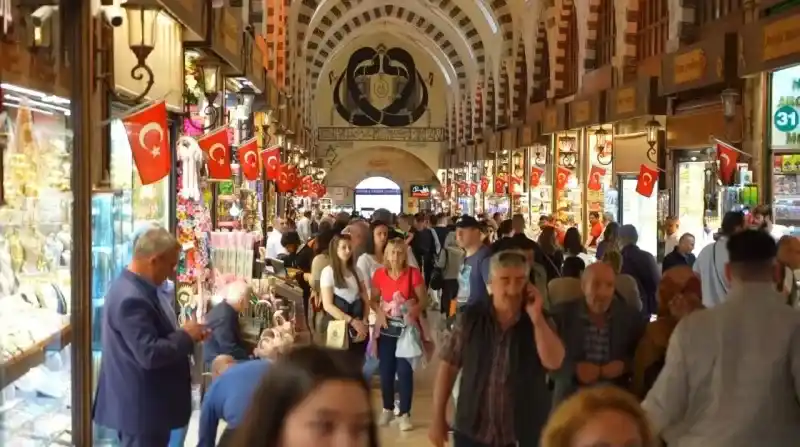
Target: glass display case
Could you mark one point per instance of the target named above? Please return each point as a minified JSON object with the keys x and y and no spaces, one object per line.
{"x":569,"y":181}
{"x":35,"y":270}
{"x":110,"y":252}
{"x":540,"y":183}
{"x":786,"y":191}
{"x":692,"y":214}
{"x":603,"y":199}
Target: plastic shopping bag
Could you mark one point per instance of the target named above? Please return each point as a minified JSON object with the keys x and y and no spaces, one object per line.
{"x":409,"y":345}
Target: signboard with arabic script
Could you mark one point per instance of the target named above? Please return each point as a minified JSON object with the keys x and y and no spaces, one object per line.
{"x":405,"y":134}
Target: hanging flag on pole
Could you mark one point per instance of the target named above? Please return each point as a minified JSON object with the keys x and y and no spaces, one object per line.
{"x":646,"y":181}
{"x":248,"y":158}
{"x":148,"y":137}
{"x":728,"y":157}
{"x":271,"y":158}
{"x":216,"y":147}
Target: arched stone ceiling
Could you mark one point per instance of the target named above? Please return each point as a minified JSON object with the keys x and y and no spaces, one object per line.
{"x":484,"y":26}
{"x":455,"y":50}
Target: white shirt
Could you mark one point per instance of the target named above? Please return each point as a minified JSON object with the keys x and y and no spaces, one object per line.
{"x":712,"y":274}
{"x":304,"y":229}
{"x":367,"y":266}
{"x":732,"y":375}
{"x":274,"y":247}
{"x":349,"y":293}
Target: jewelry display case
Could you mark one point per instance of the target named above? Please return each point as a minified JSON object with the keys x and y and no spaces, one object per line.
{"x":35,"y":279}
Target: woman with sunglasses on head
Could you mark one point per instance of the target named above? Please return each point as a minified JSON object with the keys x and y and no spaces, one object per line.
{"x":343,"y":297}
{"x":399,"y":295}
{"x":311,"y":396}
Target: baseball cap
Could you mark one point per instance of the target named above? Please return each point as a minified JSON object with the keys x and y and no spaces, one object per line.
{"x":467,"y":221}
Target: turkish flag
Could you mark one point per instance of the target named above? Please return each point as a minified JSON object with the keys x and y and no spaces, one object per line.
{"x":536,"y":176}
{"x":283,"y":183}
{"x":294,"y":177}
{"x":448,"y":189}
{"x":499,"y":185}
{"x":562,"y":177}
{"x":473,"y":189}
{"x":646,"y":181}
{"x":215,"y":145}
{"x":728,"y":157}
{"x":271,"y":159}
{"x":484,"y":184}
{"x":148,"y":137}
{"x":515,"y":180}
{"x":595,"y":178}
{"x":462,"y":188}
{"x":248,"y":158}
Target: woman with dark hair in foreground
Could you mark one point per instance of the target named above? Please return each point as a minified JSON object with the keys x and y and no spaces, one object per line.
{"x":311,"y":396}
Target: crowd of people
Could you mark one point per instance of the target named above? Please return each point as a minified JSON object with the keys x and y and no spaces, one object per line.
{"x":548,"y":338}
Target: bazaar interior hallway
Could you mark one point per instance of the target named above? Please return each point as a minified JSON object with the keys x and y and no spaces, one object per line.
{"x":391,"y":436}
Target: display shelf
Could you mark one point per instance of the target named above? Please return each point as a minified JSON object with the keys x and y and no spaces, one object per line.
{"x":18,"y":366}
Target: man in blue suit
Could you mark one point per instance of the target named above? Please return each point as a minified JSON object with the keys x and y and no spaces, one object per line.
{"x":144,"y":388}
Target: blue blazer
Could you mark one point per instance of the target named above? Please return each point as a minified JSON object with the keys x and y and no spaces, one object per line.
{"x":145,"y":383}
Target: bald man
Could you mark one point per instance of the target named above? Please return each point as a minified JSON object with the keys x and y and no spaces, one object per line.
{"x":585,"y":326}
{"x":223,"y":320}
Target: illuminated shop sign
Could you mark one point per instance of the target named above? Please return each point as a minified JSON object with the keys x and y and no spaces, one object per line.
{"x":785,"y":108}
{"x":421,"y":191}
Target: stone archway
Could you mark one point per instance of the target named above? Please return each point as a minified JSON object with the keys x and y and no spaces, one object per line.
{"x":398,"y":165}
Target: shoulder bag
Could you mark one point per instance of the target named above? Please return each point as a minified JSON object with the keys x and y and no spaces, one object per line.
{"x":395,"y":325}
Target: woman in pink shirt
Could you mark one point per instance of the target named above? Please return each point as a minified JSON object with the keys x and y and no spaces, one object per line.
{"x":401,"y":296}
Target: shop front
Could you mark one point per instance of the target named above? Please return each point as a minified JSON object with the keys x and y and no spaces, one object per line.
{"x":513,"y":170}
{"x":595,"y":143}
{"x":569,"y":175}
{"x":536,"y":191}
{"x":770,"y":47}
{"x":484,"y":172}
{"x":704,"y":133}
{"x":496,"y":196}
{"x":45,"y":225}
{"x":636,"y":114}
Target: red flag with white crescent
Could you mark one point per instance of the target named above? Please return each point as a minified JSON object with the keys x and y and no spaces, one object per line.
{"x":215,"y":145}
{"x":562,"y":177}
{"x":271,"y":159}
{"x":499,"y":185}
{"x":484,"y":184}
{"x":148,"y":136}
{"x":248,"y":158}
{"x":282,"y":182}
{"x":473,"y":189}
{"x":646,"y":182}
{"x":536,"y":176}
{"x":595,"y":178}
{"x":728,"y":158}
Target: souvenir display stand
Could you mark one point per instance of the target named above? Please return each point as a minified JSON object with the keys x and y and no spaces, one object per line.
{"x":540,"y":184}
{"x":35,"y":247}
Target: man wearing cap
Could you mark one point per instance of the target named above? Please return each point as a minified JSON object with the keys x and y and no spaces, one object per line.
{"x":474,"y":273}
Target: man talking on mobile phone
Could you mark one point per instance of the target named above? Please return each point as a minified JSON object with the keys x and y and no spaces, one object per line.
{"x":503,"y":349}
{"x":144,"y":386}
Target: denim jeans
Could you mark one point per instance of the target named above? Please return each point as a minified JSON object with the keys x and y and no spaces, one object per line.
{"x":177,"y":437}
{"x":390,"y":367}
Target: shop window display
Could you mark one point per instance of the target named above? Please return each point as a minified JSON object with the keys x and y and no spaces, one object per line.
{"x":785,"y":148}
{"x":569,"y":184}
{"x":540,"y":190}
{"x":601,"y":196}
{"x":35,"y":261}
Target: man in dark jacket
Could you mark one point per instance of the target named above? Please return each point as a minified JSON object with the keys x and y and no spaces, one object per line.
{"x":681,"y":254}
{"x":642,"y":266}
{"x":502,"y":348}
{"x":223,"y":320}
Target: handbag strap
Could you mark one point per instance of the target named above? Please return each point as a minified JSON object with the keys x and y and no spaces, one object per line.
{"x":411,"y":292}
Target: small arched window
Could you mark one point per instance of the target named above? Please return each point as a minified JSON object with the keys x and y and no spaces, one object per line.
{"x":606,"y":33}
{"x":652,"y":31}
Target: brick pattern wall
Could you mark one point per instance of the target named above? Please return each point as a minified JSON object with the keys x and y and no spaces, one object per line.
{"x":542,"y":73}
{"x":478,"y":111}
{"x":520,"y":91}
{"x":501,"y":102}
{"x":489,"y":112}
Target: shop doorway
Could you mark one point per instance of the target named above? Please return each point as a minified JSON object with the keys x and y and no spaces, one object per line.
{"x":378,"y":192}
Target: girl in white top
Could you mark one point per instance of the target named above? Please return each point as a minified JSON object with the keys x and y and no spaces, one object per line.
{"x":372,"y":259}
{"x":340,"y":279}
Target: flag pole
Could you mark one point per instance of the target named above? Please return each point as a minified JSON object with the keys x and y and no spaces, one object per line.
{"x":730,"y":146}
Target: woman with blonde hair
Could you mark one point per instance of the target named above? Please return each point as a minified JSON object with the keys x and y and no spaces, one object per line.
{"x":679,"y":294}
{"x":398,"y":297}
{"x":599,"y":416}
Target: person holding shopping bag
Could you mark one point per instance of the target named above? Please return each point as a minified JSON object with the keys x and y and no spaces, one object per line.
{"x":400,"y":296}
{"x":345,"y":304}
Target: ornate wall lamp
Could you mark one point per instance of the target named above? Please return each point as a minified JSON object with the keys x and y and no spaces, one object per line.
{"x":208,"y":77}
{"x":539,"y":154}
{"x":517,"y":164}
{"x":652,"y":128}
{"x":601,"y":140}
{"x":141,"y":16}
{"x":567,"y":155}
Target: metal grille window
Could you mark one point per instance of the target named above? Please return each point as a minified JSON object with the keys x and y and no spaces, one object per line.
{"x":653,"y":30}
{"x":606,"y":33}
{"x":571,"y":65}
{"x":708,"y":11}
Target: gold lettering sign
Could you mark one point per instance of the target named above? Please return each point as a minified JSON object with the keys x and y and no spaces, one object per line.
{"x":625,"y":100}
{"x":550,"y":120}
{"x":689,"y":66}
{"x":782,"y":38}
{"x":581,"y":112}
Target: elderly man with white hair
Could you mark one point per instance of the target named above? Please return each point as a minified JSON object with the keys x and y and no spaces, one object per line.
{"x":273,"y":246}
{"x":223,"y":319}
{"x":144,"y":386}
